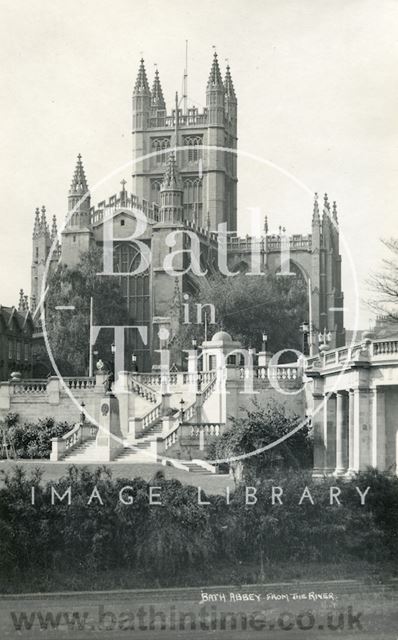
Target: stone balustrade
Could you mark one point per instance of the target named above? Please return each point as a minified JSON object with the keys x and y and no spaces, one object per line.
{"x":80,"y":382}
{"x":28,"y":387}
{"x":80,"y":433}
{"x":209,"y":429}
{"x":366,"y":350}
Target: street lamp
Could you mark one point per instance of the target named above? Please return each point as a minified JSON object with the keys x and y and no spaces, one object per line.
{"x":113,"y":348}
{"x":194,"y":343}
{"x":182,"y":403}
{"x":265,"y":338}
{"x":305,"y":330}
{"x":134,"y":361}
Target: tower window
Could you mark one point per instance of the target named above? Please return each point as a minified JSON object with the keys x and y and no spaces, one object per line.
{"x":193,"y":200}
{"x":155,"y":191}
{"x":193,"y":142}
{"x":122,"y":223}
{"x":160,"y":146}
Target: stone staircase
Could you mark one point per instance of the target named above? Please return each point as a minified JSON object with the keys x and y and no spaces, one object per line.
{"x":84,"y":453}
{"x":143,"y":451}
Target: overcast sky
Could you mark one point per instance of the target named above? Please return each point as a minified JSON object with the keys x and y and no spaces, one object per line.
{"x":316,"y":82}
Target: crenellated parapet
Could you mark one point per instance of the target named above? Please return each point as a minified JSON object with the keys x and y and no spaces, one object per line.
{"x":123,"y":200}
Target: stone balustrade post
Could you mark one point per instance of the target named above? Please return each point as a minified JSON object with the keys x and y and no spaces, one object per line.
{"x":57,"y":449}
{"x":5,"y":395}
{"x":53,"y":390}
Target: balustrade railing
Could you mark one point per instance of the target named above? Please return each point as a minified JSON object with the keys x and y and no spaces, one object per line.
{"x":172,"y":438}
{"x":79,"y":382}
{"x":142,"y":389}
{"x":151,"y":417}
{"x":385,"y":347}
{"x":209,"y":429}
{"x":272,"y":372}
{"x":29,"y":386}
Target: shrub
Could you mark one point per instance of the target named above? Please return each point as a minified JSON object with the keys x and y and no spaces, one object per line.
{"x":33,"y":440}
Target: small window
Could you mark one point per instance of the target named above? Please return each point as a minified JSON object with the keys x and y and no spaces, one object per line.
{"x":37,"y":253}
{"x":122,"y":223}
{"x":74,"y":238}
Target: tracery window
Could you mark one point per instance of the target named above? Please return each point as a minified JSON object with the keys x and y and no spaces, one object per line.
{"x":193,"y":200}
{"x":160,"y":146}
{"x":135,"y":292}
{"x":193,"y":142}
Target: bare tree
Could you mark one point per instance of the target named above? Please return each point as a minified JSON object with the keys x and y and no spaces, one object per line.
{"x":384,"y":285}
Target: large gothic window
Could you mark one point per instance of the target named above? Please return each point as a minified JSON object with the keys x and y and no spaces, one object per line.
{"x":193,"y":143}
{"x":136,"y":294}
{"x":193,"y":208}
{"x":160,"y":146}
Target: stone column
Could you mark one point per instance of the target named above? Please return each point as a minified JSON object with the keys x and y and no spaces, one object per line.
{"x":329,"y":432}
{"x":361,"y":428}
{"x":378,"y":429}
{"x":340,"y":462}
{"x":318,"y":433}
{"x":351,"y":435}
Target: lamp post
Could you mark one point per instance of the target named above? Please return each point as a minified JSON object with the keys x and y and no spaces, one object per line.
{"x":182,"y":404}
{"x":305,"y":330}
{"x":265,"y":339}
{"x":134,"y":362}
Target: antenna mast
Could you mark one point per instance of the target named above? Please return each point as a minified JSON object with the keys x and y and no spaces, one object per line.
{"x":185,"y":92}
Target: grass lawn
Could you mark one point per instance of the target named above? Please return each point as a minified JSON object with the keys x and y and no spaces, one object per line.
{"x":210,"y":483}
{"x":231,"y":573}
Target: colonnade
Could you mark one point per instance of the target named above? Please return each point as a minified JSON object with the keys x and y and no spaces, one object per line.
{"x":349,"y":430}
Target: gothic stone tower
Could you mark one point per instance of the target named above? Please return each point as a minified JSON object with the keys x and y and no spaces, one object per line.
{"x":77,"y":235}
{"x":209,"y":176}
{"x":42,"y":239}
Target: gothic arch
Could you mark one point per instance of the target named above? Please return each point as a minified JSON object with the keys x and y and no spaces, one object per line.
{"x":298,"y":269}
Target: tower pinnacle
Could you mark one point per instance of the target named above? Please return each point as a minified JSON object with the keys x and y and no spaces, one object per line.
{"x":215,"y":80}
{"x":335,"y":212}
{"x":43,"y":221}
{"x":36,"y":227}
{"x":157,"y":98}
{"x":141,"y":84}
{"x":229,"y":85}
{"x":315,"y":214}
{"x":54,"y":230}
{"x":171,"y":178}
{"x":79,"y":183}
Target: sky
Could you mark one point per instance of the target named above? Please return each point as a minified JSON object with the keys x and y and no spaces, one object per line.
{"x":317,"y":101}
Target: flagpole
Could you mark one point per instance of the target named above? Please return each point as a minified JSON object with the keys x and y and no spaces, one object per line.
{"x":90,"y":355}
{"x":311,"y":349}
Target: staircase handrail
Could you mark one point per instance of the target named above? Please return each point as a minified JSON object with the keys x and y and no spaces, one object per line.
{"x":149,"y":393}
